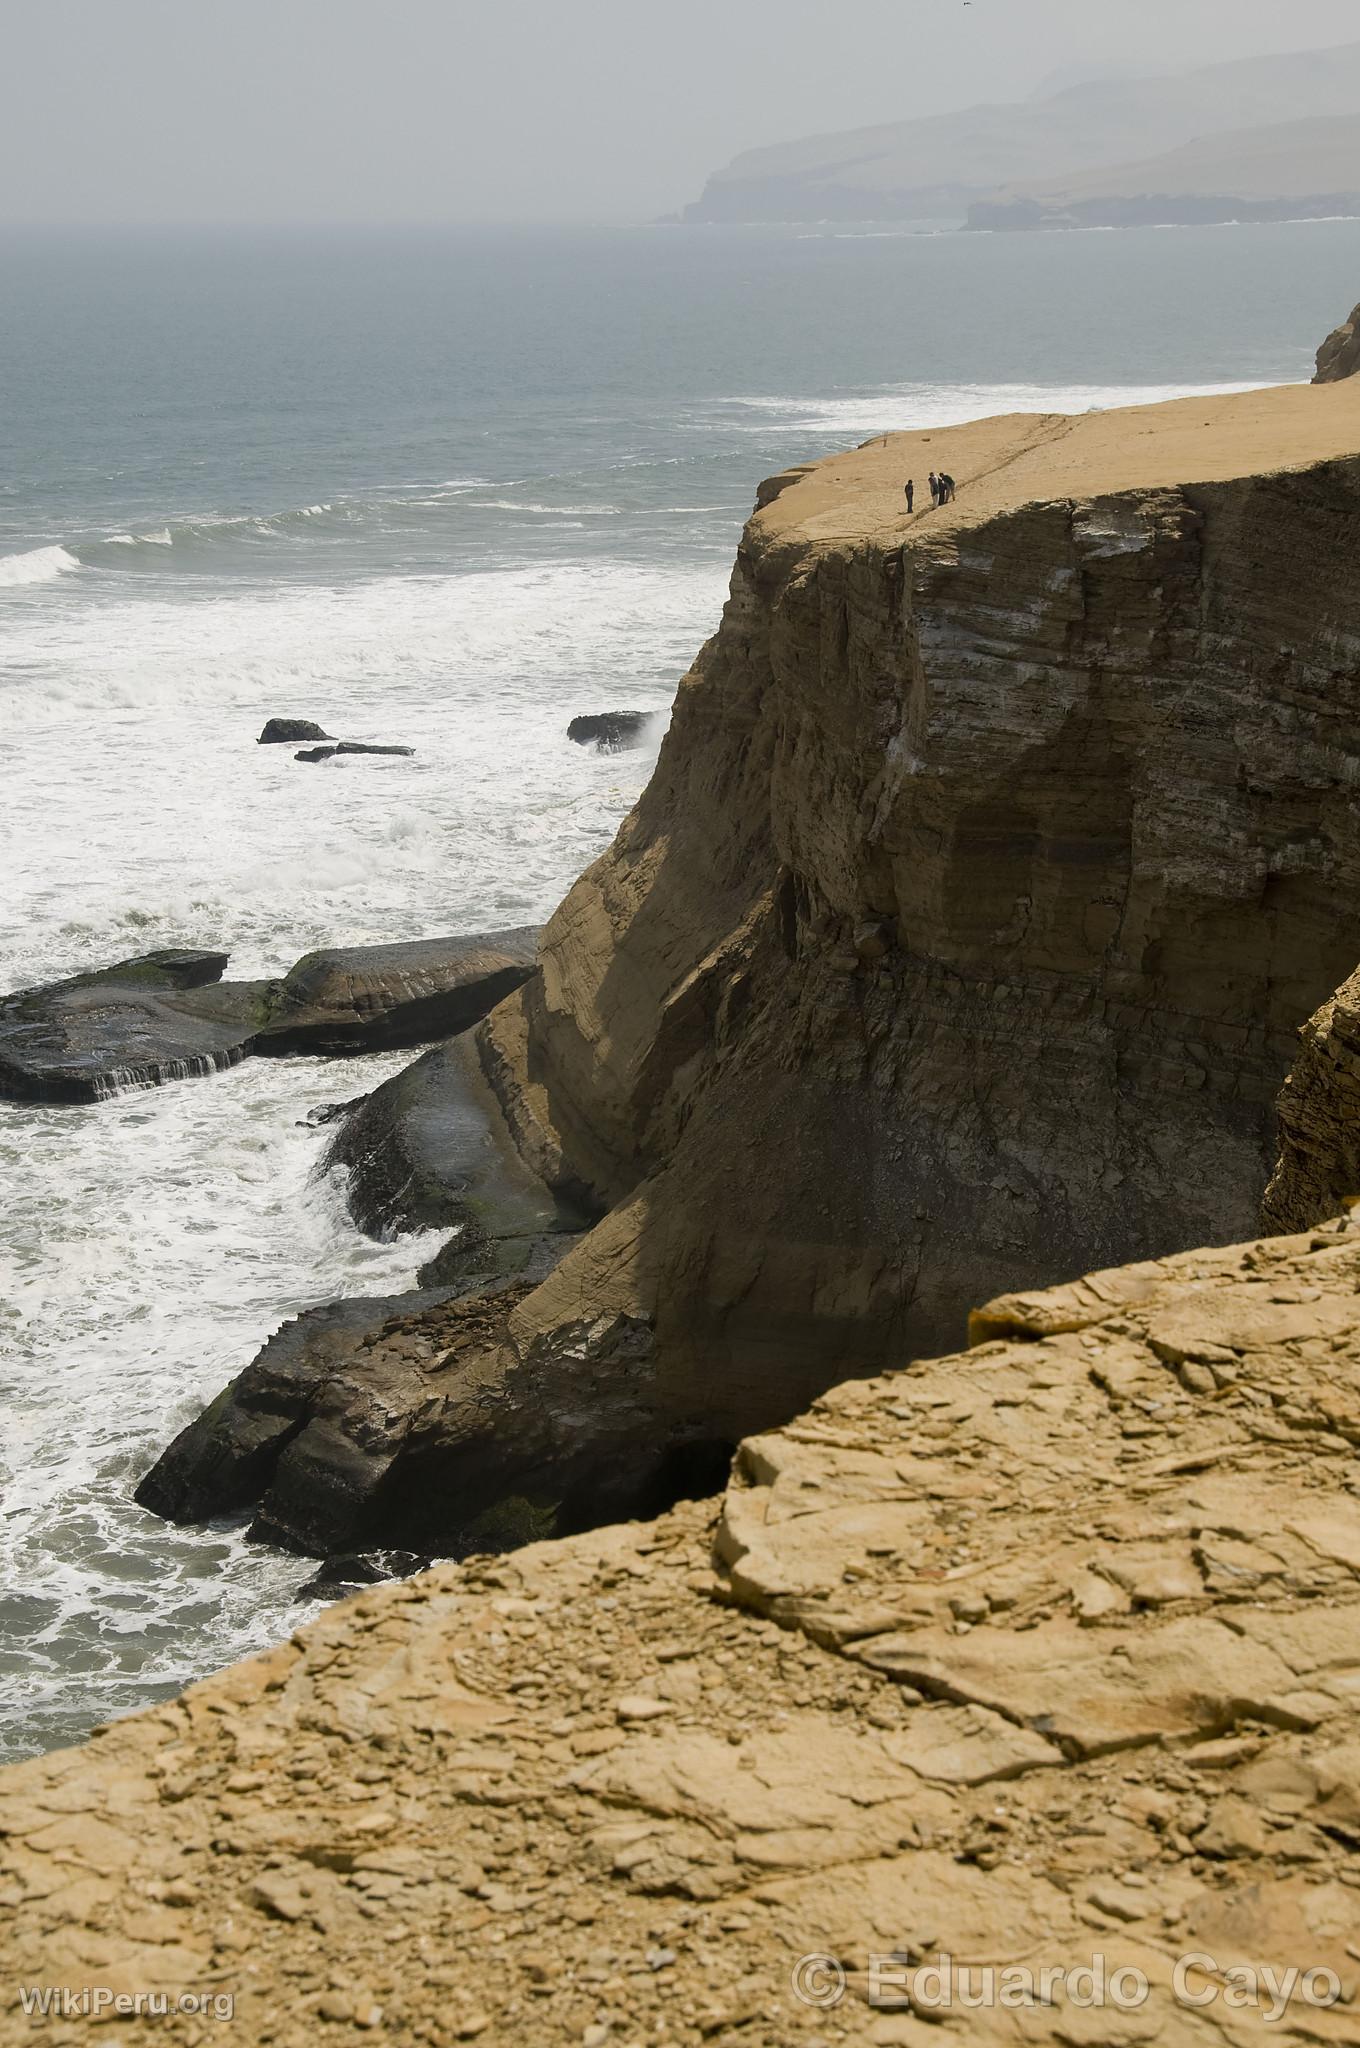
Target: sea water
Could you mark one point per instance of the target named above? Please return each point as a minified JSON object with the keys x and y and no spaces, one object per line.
{"x":444,"y":490}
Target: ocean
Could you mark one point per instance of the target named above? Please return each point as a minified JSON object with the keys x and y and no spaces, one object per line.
{"x":441,"y":489}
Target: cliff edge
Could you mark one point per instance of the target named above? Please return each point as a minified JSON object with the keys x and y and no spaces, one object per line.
{"x":1043,"y":1657}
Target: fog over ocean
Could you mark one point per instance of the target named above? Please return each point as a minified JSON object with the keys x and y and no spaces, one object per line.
{"x":444,"y":489}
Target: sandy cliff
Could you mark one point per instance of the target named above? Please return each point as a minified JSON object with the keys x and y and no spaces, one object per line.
{"x":1045,"y":1652}
{"x":960,"y":941}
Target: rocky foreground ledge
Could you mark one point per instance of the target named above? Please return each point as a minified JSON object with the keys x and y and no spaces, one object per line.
{"x":1042,"y":1653}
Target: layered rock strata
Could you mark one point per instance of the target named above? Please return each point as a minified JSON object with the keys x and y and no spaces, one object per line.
{"x":1043,"y":1653}
{"x":960,"y":939}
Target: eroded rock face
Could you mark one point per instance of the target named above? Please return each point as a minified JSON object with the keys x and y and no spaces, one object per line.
{"x":1339,"y":355}
{"x":1043,"y":1652}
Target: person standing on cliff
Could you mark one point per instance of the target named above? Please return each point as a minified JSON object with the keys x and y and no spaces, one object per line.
{"x":946,"y":489}
{"x":910,"y":488}
{"x":934,"y":488}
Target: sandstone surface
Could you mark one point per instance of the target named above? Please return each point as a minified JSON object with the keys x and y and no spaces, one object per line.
{"x":1044,"y":1652}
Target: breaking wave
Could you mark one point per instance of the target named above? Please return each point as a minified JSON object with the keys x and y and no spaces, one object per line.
{"x":36,"y":565}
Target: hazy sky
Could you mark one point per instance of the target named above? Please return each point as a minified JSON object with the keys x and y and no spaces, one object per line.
{"x":284,"y":110}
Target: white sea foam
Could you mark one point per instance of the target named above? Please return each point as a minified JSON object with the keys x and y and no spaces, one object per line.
{"x":35,"y":565}
{"x":195,"y":1229}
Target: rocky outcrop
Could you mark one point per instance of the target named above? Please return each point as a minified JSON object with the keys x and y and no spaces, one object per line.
{"x":140,"y":1022}
{"x":364,"y":998}
{"x":290,"y":732}
{"x":168,"y":1015}
{"x":1339,"y":355}
{"x":315,"y":1423}
{"x":610,"y":732}
{"x":1033,"y":1656}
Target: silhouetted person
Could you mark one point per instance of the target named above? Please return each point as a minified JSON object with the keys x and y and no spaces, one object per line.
{"x":910,"y":488}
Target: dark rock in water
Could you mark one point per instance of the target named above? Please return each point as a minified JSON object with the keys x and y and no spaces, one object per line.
{"x":153,"y":1019}
{"x":347,"y":747}
{"x":167,"y":1015}
{"x":349,"y":1570}
{"x":366,"y":998}
{"x":311,"y":1429}
{"x":290,"y":732}
{"x":430,"y":1423}
{"x":429,"y":1149}
{"x":611,"y":732}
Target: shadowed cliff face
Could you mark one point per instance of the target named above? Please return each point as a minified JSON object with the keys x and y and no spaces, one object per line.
{"x":964,"y":930}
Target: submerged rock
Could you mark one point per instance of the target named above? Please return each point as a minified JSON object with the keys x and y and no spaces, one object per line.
{"x":610,"y":732}
{"x":365,"y":998}
{"x":347,"y":747}
{"x":156,"y":1018}
{"x":280,"y":732}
